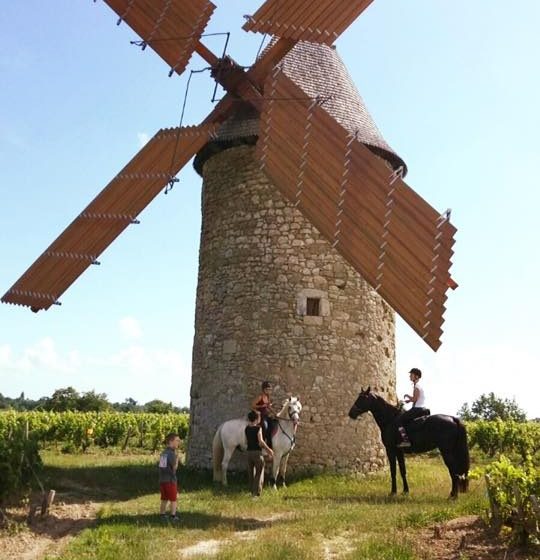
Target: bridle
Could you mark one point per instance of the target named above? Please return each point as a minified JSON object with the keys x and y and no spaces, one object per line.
{"x":290,"y":419}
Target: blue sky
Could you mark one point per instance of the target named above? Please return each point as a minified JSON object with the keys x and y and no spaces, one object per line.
{"x":453,"y":86}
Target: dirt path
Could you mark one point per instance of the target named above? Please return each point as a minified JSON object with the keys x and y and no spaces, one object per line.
{"x":469,"y":537}
{"x":211,"y":547}
{"x":48,"y":535}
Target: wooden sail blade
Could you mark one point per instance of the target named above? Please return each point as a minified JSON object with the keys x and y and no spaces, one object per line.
{"x":318,"y":21}
{"x":172,"y":28}
{"x":108,"y":215}
{"x":387,"y":232}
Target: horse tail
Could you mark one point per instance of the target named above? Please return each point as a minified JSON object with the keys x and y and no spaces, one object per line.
{"x":461,"y":450}
{"x":217,"y":455}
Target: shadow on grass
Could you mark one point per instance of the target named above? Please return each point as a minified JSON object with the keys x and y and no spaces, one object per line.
{"x":371,"y":499}
{"x":128,"y":481}
{"x":101,"y":483}
{"x":190,"y":520}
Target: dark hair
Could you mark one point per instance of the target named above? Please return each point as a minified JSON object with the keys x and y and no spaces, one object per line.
{"x":416,"y":372}
{"x":266,"y":384}
{"x":170,"y":437}
{"x":252,"y":415}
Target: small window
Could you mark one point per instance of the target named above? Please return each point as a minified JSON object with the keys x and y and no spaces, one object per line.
{"x":313,"y":306}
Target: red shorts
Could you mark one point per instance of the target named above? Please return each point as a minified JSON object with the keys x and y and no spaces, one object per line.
{"x":169,"y":490}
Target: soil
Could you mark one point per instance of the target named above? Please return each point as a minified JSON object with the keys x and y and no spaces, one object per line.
{"x":46,"y":535}
{"x":469,"y":538}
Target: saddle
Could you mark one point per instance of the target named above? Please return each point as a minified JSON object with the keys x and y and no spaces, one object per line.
{"x":415,"y":424}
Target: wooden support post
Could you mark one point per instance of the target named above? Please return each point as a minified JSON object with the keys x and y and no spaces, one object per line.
{"x":47,"y":501}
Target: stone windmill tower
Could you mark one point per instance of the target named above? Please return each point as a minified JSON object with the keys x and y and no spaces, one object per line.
{"x":275,"y":300}
{"x":310,"y":236}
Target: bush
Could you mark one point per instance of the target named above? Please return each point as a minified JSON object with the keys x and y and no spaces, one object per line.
{"x":509,"y":437}
{"x":512,"y":492}
{"x":19,"y":461}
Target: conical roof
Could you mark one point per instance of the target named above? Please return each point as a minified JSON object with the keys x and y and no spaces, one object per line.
{"x":319,"y":71}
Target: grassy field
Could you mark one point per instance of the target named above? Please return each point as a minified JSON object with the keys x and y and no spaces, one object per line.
{"x":321,"y":517}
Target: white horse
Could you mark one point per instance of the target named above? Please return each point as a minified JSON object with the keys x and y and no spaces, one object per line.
{"x":231,"y":435}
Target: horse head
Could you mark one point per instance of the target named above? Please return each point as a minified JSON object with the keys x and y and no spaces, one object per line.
{"x":293,"y":407}
{"x":362,"y":403}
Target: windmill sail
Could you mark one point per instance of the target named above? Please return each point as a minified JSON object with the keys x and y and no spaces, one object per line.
{"x":108,"y":215}
{"x":395,"y":239}
{"x":319,"y":21}
{"x":171,"y":28}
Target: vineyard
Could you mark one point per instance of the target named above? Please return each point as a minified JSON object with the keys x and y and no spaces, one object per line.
{"x":23,"y":433}
{"x":77,"y":431}
{"x":496,"y":437}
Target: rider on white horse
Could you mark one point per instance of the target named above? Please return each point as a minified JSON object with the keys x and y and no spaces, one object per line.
{"x":231,"y":436}
{"x":263,"y":405}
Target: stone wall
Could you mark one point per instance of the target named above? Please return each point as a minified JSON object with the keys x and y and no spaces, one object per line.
{"x":260,"y":260}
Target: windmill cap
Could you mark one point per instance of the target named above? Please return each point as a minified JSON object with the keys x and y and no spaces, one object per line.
{"x":320,"y":72}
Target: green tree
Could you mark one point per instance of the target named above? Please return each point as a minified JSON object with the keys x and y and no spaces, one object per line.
{"x":490,"y":407}
{"x":93,"y":402}
{"x":158,"y":406}
{"x":129,"y":405}
{"x":63,"y":399}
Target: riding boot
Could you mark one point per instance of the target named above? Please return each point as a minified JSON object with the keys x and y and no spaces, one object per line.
{"x":268,"y":434}
{"x":405,"y":442}
{"x":268,"y":438}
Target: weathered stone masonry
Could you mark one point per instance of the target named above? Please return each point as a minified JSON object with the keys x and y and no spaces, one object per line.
{"x":260,"y":260}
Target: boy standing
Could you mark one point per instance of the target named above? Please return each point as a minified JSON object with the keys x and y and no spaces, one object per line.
{"x":168,"y":463}
{"x":255,"y":459}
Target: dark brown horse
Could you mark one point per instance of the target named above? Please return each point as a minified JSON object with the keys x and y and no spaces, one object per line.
{"x":446,"y":433}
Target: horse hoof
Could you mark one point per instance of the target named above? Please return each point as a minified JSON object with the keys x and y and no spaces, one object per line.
{"x":453,"y":497}
{"x":274,"y":488}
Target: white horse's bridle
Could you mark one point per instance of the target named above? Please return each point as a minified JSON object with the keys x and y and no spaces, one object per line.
{"x":293,"y":409}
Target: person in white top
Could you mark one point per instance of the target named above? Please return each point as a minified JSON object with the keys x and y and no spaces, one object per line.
{"x":418,"y":400}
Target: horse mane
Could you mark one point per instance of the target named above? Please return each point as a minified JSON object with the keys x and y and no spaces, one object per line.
{"x":281,"y":413}
{"x":386,"y":405}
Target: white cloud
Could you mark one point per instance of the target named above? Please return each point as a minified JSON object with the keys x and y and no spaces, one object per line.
{"x":139,"y":359}
{"x":136,"y":371}
{"x":130,"y":328}
{"x":40,"y":357}
{"x":143,"y":138}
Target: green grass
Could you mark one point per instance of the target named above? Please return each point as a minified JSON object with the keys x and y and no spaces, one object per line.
{"x":352,"y":515}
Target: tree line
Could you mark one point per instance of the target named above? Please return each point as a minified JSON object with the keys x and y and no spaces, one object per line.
{"x":69,"y":399}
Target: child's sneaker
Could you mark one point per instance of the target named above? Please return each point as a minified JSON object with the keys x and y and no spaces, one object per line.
{"x":164,"y":517}
{"x":175,"y":518}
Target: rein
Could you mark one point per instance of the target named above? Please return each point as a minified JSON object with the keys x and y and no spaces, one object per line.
{"x":291,"y":439}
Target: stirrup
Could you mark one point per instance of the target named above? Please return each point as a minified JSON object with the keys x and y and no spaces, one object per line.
{"x":404,"y":444}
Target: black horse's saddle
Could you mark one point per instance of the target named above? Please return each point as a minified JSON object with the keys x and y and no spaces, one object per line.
{"x":418,"y":422}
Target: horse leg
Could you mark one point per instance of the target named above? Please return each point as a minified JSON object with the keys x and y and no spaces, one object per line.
{"x":391,"y":454}
{"x":283,"y":470}
{"x":275,"y":469}
{"x":403,"y":471}
{"x":225,"y":464}
{"x":450,"y":465}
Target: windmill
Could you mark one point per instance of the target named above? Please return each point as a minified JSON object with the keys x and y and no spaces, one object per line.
{"x":337,"y":178}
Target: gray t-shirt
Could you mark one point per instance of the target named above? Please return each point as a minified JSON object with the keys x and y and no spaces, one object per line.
{"x":167,"y":470}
